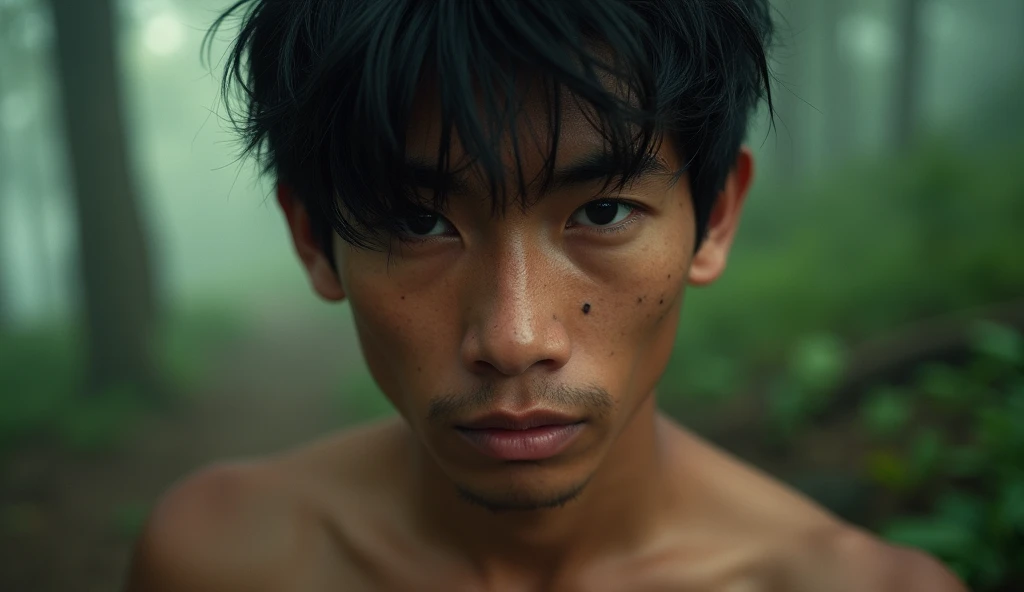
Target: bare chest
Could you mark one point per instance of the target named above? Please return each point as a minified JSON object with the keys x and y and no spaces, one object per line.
{"x":360,"y":568}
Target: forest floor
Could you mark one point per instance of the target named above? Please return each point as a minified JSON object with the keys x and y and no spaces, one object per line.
{"x":70,"y":521}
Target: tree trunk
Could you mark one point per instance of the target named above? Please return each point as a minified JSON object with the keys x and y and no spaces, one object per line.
{"x":6,"y":170}
{"x":116,"y":279}
{"x":6,"y":314}
{"x":5,"y":173}
{"x":792,"y":91}
{"x":905,"y":109}
{"x":839,"y":108}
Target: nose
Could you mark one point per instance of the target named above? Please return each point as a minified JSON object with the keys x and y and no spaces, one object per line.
{"x":514,"y":325}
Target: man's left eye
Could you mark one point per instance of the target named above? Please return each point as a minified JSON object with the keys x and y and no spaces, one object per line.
{"x":605,"y":212}
{"x":424,"y":224}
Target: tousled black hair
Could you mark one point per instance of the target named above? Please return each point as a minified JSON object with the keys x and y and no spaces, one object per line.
{"x":327,"y":88}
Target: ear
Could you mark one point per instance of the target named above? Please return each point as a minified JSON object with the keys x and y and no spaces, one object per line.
{"x":709,"y":262}
{"x":318,"y":267}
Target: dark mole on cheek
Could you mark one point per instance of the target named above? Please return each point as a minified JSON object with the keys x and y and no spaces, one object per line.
{"x":639,"y":299}
{"x":586,"y":308}
{"x":662,"y":301}
{"x":403,"y":297}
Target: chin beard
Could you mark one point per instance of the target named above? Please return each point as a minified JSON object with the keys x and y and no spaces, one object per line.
{"x":510,"y":501}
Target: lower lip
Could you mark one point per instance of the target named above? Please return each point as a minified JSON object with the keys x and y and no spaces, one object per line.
{"x":532,"y":444}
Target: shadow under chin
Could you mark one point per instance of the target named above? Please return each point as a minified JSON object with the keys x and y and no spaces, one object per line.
{"x":521,"y":501}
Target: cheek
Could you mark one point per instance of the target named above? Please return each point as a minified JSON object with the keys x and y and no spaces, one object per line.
{"x":633,"y":333}
{"x":402,"y":333}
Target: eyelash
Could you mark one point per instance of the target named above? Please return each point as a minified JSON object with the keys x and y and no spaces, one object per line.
{"x":636,"y":212}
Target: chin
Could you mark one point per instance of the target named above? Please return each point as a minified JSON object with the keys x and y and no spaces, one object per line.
{"x":523,"y":492}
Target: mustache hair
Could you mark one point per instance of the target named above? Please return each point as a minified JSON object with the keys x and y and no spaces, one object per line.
{"x":593,"y":398}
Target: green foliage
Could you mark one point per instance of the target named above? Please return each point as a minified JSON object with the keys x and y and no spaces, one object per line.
{"x":360,"y":400}
{"x":943,"y":386}
{"x":885,"y":412}
{"x":859,"y":251}
{"x":128,"y":519}
{"x":38,"y":373}
{"x":41,"y":373}
{"x":188,"y":337}
{"x":968,"y":458}
{"x":99,"y":423}
{"x":999,"y":346}
{"x":815,"y":367}
{"x":889,"y":469}
{"x":877,"y":246}
{"x":818,"y":363}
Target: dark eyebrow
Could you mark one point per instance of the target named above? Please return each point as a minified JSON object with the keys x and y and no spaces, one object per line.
{"x":601,"y":166}
{"x":590,"y":168}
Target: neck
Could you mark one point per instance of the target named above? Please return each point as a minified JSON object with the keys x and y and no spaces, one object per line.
{"x":607,"y":515}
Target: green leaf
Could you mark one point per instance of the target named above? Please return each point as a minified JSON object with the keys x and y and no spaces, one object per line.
{"x":983,"y":372}
{"x":1009,"y":514}
{"x":966,"y":461}
{"x":963,"y":509}
{"x":718,"y":378}
{"x":888,"y":470}
{"x":942,"y":383}
{"x":947,"y":539}
{"x":989,"y":567}
{"x":790,"y":408}
{"x":998,"y":342}
{"x":885,"y":412}
{"x":994,"y":428}
{"x":818,"y":362}
{"x":925,"y":453}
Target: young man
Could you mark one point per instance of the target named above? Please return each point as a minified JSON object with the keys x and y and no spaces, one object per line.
{"x":513,"y":195}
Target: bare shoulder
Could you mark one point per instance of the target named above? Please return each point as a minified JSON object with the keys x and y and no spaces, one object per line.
{"x":227,"y":527}
{"x":745,"y":500}
{"x":794,"y":544}
{"x":261,"y":525}
{"x":844,"y":558}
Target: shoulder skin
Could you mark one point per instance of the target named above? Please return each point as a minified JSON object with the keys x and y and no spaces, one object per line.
{"x":228,"y":527}
{"x":845,"y":559}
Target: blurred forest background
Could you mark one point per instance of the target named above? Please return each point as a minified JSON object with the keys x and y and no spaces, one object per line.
{"x":865,"y":345}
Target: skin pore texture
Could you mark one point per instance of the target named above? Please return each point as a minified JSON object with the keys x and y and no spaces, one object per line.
{"x":557,"y":308}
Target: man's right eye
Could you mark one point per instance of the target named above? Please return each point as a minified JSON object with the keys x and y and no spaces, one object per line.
{"x":425,"y":225}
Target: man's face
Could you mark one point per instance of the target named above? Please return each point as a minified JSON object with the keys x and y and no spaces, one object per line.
{"x":519,"y":346}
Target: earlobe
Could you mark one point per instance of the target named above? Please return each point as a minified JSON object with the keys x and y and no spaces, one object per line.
{"x":310,"y":251}
{"x":706,"y":267}
{"x":325,"y":280}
